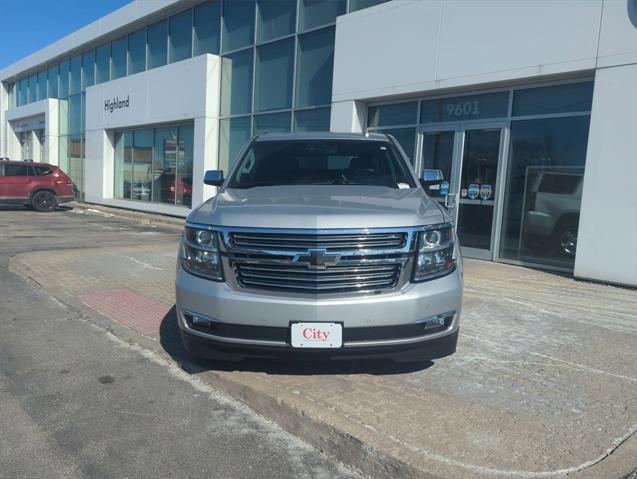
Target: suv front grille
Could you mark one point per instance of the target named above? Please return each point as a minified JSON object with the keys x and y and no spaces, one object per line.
{"x":326,"y":262}
{"x":333,"y":279}
{"x":329,"y":242}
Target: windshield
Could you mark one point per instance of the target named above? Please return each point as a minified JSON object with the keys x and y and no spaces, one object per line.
{"x":322,"y":162}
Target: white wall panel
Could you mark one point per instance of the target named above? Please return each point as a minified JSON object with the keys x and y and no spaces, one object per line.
{"x":492,"y":36}
{"x":183,"y":91}
{"x":618,"y":36}
{"x":387,"y":49}
{"x":348,"y":117}
{"x":407,"y":46}
{"x":49,"y":109}
{"x":173,"y":92}
{"x":607,"y":239}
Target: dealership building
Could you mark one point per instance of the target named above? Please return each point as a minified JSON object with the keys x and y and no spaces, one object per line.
{"x":528,"y":108}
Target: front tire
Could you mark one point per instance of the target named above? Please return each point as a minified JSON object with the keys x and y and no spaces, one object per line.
{"x":44,"y":201}
{"x":565,"y":238}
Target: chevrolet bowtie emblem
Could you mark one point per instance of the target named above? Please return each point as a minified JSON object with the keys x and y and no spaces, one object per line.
{"x":318,"y":259}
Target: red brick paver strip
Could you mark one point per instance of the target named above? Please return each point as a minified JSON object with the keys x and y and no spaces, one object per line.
{"x":138,"y":312}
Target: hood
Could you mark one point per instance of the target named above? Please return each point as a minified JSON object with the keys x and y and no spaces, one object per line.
{"x":319,"y":207}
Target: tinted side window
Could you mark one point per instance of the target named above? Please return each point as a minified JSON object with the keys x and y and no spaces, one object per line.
{"x":18,"y":170}
{"x":43,"y":170}
{"x":559,"y":184}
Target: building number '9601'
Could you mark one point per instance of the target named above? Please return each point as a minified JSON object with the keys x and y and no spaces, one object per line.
{"x":467,"y":108}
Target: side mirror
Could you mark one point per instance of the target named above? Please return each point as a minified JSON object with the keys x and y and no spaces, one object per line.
{"x":431,"y":178}
{"x":213,"y":177}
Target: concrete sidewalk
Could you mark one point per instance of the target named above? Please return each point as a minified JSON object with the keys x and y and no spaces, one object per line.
{"x":544,"y":383}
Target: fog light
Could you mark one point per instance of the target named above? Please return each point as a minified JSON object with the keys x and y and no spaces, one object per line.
{"x":435,"y":322}
{"x":194,"y":320}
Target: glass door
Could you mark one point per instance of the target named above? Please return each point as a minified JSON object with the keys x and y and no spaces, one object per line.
{"x":41,"y":142}
{"x":469,"y":158}
{"x":26,"y":144}
{"x":478,"y":181}
{"x":438,"y":152}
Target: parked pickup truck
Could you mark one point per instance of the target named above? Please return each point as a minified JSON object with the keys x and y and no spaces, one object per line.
{"x":319,"y":245}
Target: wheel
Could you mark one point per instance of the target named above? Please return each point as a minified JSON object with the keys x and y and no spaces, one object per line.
{"x":566,"y":238}
{"x":44,"y":201}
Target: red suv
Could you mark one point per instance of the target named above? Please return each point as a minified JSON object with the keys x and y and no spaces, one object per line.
{"x":39,"y":185}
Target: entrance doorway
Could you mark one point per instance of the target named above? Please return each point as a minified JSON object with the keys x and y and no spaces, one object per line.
{"x":470,"y":158}
{"x":26,"y":146}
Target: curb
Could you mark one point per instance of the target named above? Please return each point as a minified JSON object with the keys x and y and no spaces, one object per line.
{"x":336,"y":443}
{"x":141,"y":217}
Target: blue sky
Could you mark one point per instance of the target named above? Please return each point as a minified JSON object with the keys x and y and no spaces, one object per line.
{"x":29,"y":25}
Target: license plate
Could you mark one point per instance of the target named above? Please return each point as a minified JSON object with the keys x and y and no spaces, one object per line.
{"x":317,"y":335}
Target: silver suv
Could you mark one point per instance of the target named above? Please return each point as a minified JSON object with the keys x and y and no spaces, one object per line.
{"x":319,"y":245}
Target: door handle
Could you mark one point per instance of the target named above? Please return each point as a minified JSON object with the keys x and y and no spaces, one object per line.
{"x":450,"y":200}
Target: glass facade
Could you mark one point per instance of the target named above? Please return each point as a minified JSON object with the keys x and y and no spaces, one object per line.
{"x":277,"y":18}
{"x":316,"y":119}
{"x":180,"y":37}
{"x":103,"y":63}
{"x":273,"y":83}
{"x":355,"y":5}
{"x":314,"y":68}
{"x":42,"y":89}
{"x":543,"y":190}
{"x":236,"y":83}
{"x":472,"y":107}
{"x":118,"y":58}
{"x":277,"y":57}
{"x":88,"y":69}
{"x":318,"y":13}
{"x":155,"y":164}
{"x":396,"y":114}
{"x":53,"y":75}
{"x":75,"y":78}
{"x":207,"y":28}
{"x":283,"y":68}
{"x":544,"y":164}
{"x":33,"y":88}
{"x":238,"y":24}
{"x":157,"y":35}
{"x":137,"y":52}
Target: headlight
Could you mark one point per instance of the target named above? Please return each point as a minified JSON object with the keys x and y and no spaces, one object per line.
{"x":435,"y":253}
{"x":199,"y":253}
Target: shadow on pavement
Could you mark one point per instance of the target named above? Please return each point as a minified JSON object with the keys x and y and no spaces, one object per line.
{"x":170,"y":340}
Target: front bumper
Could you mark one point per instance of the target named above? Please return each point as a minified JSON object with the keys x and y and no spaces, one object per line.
{"x":376,"y":325}
{"x":432,"y":348}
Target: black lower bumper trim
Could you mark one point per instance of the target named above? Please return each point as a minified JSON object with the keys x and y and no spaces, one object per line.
{"x":414,"y":352}
{"x":65,"y":199}
{"x":282,"y":334}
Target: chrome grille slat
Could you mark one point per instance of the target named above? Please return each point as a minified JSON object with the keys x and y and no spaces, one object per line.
{"x":316,"y":278}
{"x":341,"y":287}
{"x":327,"y":241}
{"x":331,"y":271}
{"x":348,"y":262}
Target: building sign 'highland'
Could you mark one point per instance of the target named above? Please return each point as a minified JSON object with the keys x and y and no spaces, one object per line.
{"x":116,"y":104}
